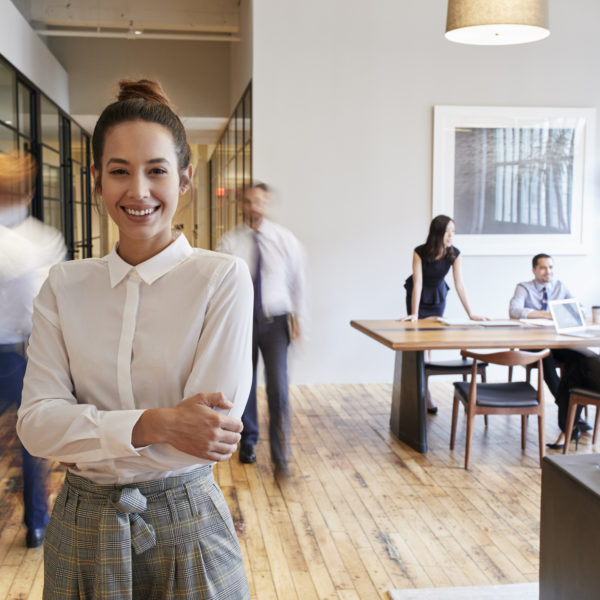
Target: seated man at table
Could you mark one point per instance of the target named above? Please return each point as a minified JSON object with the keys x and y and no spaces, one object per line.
{"x":530,"y":301}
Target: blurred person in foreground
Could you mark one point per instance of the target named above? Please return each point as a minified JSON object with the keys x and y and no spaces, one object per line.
{"x":276,"y":262}
{"x":28,"y":249}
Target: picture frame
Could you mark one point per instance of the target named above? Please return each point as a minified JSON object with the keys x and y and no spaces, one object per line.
{"x":516,"y":180}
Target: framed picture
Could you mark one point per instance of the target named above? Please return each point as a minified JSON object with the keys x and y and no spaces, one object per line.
{"x":515,"y":180}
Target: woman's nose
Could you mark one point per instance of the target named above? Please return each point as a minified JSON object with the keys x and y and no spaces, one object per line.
{"x":139,"y":187}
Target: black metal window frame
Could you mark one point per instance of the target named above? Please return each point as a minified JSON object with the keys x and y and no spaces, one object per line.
{"x":33,"y":143}
{"x":232,"y":154}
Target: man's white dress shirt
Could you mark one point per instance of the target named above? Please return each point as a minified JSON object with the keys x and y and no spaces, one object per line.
{"x":282,"y":265}
{"x":110,"y":340}
{"x":528,"y":297}
{"x":28,"y":248}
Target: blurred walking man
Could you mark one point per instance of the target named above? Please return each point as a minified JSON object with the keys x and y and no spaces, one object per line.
{"x":276,"y":262}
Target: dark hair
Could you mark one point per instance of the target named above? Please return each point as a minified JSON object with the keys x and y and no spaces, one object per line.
{"x":142,"y":100}
{"x":259,"y":185}
{"x":536,"y":258}
{"x":434,"y":245}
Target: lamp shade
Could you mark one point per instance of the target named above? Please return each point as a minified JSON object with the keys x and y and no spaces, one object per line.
{"x":497,"y":22}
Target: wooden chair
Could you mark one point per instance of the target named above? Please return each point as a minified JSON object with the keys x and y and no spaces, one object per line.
{"x":462,"y":366}
{"x":508,"y":398}
{"x":529,"y":368}
{"x":580,"y":397}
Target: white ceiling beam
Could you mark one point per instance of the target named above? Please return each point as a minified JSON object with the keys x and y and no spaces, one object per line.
{"x":142,"y":35}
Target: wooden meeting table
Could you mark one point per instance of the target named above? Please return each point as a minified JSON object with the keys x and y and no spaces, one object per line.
{"x":410,"y":339}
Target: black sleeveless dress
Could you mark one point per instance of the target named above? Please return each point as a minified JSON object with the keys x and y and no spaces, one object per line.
{"x":435,"y":289}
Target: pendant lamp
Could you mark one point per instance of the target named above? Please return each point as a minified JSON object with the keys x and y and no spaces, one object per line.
{"x":497,"y":22}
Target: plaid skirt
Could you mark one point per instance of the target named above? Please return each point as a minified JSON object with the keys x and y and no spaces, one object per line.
{"x":155,"y":540}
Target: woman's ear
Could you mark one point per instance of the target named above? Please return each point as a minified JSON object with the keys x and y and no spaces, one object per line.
{"x":96,"y":176}
{"x":185,"y":180}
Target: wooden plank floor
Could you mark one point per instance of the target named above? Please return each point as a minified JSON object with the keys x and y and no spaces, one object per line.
{"x":361,"y":513}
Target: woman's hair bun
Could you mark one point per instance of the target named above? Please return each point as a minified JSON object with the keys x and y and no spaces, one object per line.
{"x":143,"y":89}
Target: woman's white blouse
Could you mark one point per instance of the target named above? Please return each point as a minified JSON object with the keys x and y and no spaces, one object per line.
{"x":110,"y":340}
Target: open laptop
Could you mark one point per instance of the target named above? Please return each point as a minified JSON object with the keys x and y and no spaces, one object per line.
{"x":568,"y":319}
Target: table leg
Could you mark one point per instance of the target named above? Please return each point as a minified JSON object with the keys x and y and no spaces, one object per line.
{"x":408,"y":419}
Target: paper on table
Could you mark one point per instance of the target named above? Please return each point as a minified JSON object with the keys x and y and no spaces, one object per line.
{"x":491,"y":323}
{"x":539,"y":322}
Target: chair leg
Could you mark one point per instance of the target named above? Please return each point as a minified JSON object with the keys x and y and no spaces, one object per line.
{"x":470,"y":419}
{"x":541,"y":437}
{"x":454,"y":421}
{"x":484,"y":380}
{"x":523,"y":431}
{"x":596,"y":421}
{"x":570,"y":423}
{"x":585,"y":411}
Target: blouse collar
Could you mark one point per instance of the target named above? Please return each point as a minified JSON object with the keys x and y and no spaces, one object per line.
{"x":153,"y":268}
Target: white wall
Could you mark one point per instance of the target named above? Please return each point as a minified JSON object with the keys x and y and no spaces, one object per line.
{"x":343,"y":118}
{"x":25,"y":51}
{"x":241,"y":56}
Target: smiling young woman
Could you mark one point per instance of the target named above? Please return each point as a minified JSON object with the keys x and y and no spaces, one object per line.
{"x":139,"y":370}
{"x":140,"y":183}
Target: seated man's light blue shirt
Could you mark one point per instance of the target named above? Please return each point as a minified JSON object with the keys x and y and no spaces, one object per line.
{"x":528,"y":297}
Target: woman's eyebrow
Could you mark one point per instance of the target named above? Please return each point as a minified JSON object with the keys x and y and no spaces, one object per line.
{"x":119,"y":161}
{"x":122,"y":161}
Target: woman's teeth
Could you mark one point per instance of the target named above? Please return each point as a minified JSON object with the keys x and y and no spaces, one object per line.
{"x":139,"y":213}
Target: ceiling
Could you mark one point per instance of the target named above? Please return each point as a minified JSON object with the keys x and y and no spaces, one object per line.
{"x":193,"y":20}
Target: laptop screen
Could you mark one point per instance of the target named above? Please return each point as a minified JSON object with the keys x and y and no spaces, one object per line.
{"x":567,"y":315}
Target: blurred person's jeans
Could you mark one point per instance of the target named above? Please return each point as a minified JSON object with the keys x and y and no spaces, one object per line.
{"x":12,"y":372}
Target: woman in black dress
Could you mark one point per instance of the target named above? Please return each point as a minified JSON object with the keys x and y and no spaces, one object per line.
{"x":426,"y":288}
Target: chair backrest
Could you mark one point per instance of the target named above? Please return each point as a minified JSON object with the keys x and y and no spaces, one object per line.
{"x":510,"y":358}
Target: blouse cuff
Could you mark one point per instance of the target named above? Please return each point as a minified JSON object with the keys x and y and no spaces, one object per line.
{"x":115,"y":432}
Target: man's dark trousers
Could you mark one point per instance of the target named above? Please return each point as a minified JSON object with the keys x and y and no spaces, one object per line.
{"x":270,"y":337}
{"x":583,"y":373}
{"x":12,"y":371}
{"x":565,"y":356}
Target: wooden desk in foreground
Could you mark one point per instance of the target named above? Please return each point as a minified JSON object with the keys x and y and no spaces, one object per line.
{"x":409,"y":340}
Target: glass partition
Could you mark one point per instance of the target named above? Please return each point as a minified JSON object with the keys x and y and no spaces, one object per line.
{"x":31,"y":122}
{"x":77,"y":193}
{"x":24,"y":96}
{"x":8,"y":108}
{"x":50,"y":123}
{"x":8,"y":139}
{"x":231,"y":169}
{"x":52,"y":201}
{"x":51,"y":188}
